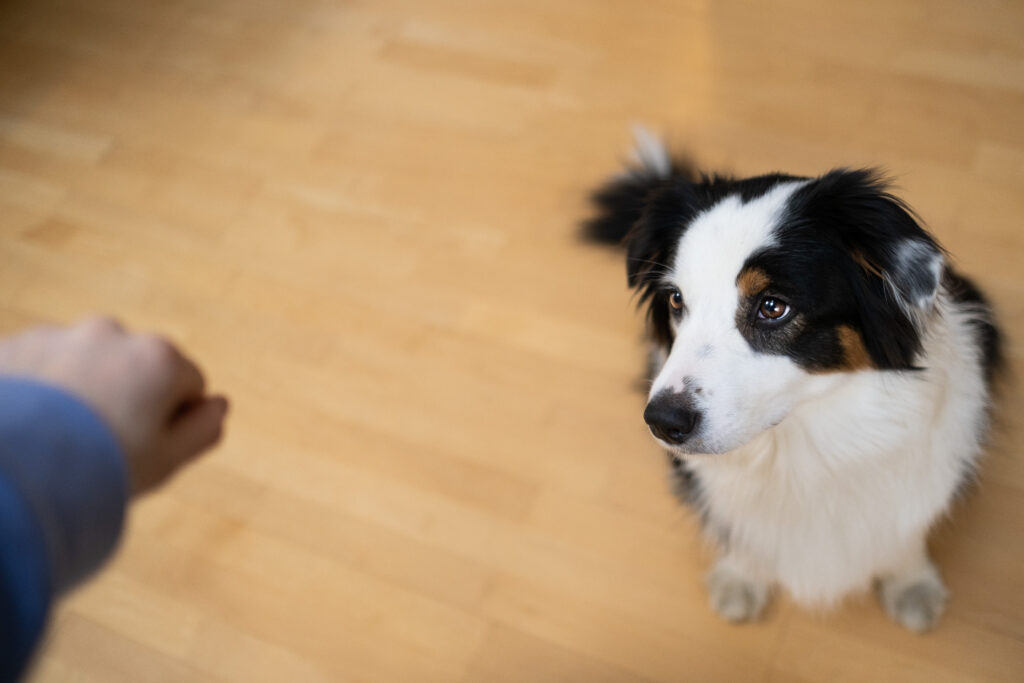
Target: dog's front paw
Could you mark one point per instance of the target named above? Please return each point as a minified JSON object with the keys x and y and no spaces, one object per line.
{"x":733,"y":597}
{"x":916,"y":605}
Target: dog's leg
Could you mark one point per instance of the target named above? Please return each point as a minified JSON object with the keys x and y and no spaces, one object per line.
{"x":912,"y":592}
{"x":736,"y":593}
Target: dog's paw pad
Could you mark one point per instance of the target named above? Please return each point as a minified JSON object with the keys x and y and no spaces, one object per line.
{"x":734,"y":599}
{"x":916,"y":606}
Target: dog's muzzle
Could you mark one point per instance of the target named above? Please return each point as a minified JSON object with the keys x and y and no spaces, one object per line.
{"x":671,"y":417}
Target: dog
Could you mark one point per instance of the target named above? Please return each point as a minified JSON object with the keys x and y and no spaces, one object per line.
{"x":821,"y":376}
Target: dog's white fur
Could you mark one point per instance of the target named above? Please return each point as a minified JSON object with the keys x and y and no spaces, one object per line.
{"x":823,"y":481}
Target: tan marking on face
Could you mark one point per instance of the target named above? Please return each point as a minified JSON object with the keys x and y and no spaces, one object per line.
{"x":863,"y":262}
{"x":855,"y":355}
{"x":751,"y":281}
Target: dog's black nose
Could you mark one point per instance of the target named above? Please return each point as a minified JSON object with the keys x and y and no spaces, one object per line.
{"x":671,"y":419}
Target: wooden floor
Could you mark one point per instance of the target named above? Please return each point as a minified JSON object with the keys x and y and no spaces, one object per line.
{"x":360,"y":216}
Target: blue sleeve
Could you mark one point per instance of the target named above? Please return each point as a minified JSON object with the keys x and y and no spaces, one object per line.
{"x":63,"y":492}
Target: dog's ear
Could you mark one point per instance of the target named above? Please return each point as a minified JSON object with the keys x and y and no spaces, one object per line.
{"x":912,"y":272}
{"x":897,"y":284}
{"x":652,"y":241}
{"x":894,"y":265}
{"x":651,"y":249}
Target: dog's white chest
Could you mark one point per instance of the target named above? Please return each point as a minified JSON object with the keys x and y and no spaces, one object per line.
{"x":830,"y":498}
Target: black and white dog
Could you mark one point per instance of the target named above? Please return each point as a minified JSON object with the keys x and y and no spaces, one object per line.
{"x":821,"y":376}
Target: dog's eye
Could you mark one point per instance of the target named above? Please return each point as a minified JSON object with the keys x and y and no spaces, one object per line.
{"x":772,"y":309}
{"x":675,"y":300}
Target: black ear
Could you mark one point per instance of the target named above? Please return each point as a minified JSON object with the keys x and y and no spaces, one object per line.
{"x":651,"y":249}
{"x":652,"y":241}
{"x":896,"y":287}
{"x":646,"y":210}
{"x":891,"y":263}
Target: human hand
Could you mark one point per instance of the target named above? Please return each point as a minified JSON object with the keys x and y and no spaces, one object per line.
{"x":151,"y":396}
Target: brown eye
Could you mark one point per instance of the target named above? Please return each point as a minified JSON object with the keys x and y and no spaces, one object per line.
{"x":772,"y":308}
{"x":675,"y":300}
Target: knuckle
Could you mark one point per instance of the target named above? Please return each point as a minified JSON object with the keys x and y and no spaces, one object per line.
{"x":158,"y":351}
{"x":100,"y":325}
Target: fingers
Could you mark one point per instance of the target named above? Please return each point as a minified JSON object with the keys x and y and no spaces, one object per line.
{"x":197,"y":428}
{"x":189,"y":380}
{"x":179,"y":379}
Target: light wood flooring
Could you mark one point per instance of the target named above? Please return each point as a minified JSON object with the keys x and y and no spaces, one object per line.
{"x":360,"y":216}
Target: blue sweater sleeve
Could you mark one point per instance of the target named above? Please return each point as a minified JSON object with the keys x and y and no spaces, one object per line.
{"x":63,"y":492}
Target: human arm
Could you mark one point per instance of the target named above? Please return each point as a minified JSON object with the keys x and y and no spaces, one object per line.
{"x":89,"y":416}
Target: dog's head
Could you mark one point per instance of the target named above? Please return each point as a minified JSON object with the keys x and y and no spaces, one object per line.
{"x":764,"y":293}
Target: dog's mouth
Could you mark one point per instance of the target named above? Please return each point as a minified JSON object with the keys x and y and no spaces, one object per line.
{"x":682,"y":452}
{"x":695,"y":448}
